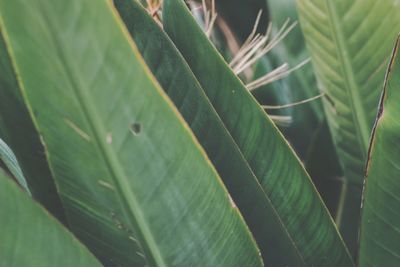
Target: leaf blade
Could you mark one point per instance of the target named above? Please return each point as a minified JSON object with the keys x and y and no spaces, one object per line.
{"x":11,"y":162}
{"x":340,"y":45}
{"x":179,"y":83}
{"x":18,"y":131}
{"x":122,"y":145}
{"x":349,"y":63}
{"x":379,"y":235}
{"x":27,"y":231}
{"x":258,"y":139}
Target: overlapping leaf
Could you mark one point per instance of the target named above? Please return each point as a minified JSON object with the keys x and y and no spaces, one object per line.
{"x":302,"y":84}
{"x":350,"y":43}
{"x":178,"y":81}
{"x":31,"y":237}
{"x":10,"y":161}
{"x":273,"y":162}
{"x":380,"y":235}
{"x":17,"y":130}
{"x":137,"y":187}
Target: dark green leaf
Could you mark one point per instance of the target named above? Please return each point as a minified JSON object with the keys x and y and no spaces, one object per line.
{"x":275,"y":165}
{"x":178,"y":81}
{"x":302,"y":83}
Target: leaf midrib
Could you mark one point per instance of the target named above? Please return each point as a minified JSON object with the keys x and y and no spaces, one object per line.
{"x":359,"y":115}
{"x":109,"y":157}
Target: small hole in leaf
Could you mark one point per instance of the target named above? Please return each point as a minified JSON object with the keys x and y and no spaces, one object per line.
{"x":136,"y":128}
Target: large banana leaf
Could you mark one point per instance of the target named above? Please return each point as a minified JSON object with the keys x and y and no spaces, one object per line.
{"x":380,"y":234}
{"x":137,"y":187}
{"x":31,"y":237}
{"x":178,"y":81}
{"x":17,"y":130}
{"x":278,"y":170}
{"x":350,"y":42}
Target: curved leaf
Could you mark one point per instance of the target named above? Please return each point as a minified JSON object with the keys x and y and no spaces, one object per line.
{"x":11,"y":162}
{"x":278,"y":170}
{"x":18,"y":131}
{"x":30,"y":237}
{"x":350,"y":42}
{"x":380,"y":235}
{"x":137,"y":187}
{"x":179,"y":83}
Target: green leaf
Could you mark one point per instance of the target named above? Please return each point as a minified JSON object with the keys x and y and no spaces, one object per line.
{"x":308,"y":132}
{"x":31,"y":237}
{"x":178,"y":81}
{"x":323,"y":166}
{"x":292,"y":49}
{"x":276,"y":167}
{"x":304,"y":122}
{"x":380,"y":235}
{"x":302,"y":83}
{"x":350,"y":43}
{"x":18,"y":131}
{"x":137,"y":187}
{"x":11,"y":162}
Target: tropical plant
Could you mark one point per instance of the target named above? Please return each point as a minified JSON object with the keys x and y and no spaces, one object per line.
{"x":350,"y":45}
{"x":160,"y":133}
